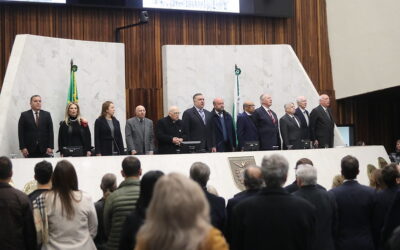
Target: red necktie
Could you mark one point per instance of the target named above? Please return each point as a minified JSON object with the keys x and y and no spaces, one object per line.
{"x":272,"y":117}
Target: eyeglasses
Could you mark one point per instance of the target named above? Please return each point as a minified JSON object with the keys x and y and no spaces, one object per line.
{"x":176,"y":113}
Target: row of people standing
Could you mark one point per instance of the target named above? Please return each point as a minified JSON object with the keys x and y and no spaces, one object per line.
{"x":214,"y":130}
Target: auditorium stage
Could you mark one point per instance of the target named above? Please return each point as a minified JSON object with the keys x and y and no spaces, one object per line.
{"x":91,"y":169}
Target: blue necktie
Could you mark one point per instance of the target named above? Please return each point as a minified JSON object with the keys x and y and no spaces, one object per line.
{"x":221,"y":118}
{"x":203,"y":116}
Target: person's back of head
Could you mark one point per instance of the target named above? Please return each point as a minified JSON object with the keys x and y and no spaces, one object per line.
{"x":177,"y":217}
{"x":43,"y":172}
{"x":108,"y":184}
{"x":390,"y":175}
{"x":5,"y":169}
{"x":64,"y":182}
{"x":349,"y":167}
{"x":306,"y":175}
{"x":252,"y":178}
{"x":274,"y":170}
{"x":337,"y":180}
{"x":303,"y":161}
{"x":147,"y":184}
{"x":200,"y":173}
{"x":131,"y":167}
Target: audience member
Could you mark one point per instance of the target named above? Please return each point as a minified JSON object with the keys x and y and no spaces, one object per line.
{"x":200,"y":173}
{"x":72,"y":221}
{"x":273,"y":219}
{"x":394,"y":241}
{"x":376,"y":180}
{"x":337,"y":180}
{"x":17,"y":230}
{"x":43,"y":173}
{"x":108,"y":185}
{"x":291,"y":188}
{"x":178,"y":218}
{"x":355,"y":204}
{"x":253,"y":181}
{"x":122,"y":201}
{"x":392,"y":220}
{"x":136,"y":218}
{"x":395,"y":156}
{"x":324,"y":203}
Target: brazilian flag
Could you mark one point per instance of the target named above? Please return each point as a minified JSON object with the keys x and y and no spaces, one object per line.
{"x":73,"y":89}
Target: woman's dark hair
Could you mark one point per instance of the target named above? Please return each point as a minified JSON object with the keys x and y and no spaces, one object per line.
{"x":64,"y":182}
{"x":147,"y":184}
{"x":104,"y":108}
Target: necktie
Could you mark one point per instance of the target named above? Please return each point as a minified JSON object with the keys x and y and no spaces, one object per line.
{"x":203,"y":116}
{"x":306,"y":117}
{"x":327,"y":113}
{"x":297,"y":122}
{"x":224,"y":134}
{"x":37,"y":118}
{"x":272,"y":117}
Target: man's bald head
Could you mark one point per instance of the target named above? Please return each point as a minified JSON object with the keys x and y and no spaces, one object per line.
{"x":249,"y":107}
{"x":324,"y":100}
{"x":173,"y":113}
{"x":301,"y":102}
{"x":140,"y":111}
{"x":219,"y":105}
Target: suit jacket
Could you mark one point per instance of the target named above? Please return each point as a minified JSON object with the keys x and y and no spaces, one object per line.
{"x":322,"y":127}
{"x":195,"y":130}
{"x":230,"y":131}
{"x":325,"y":206}
{"x":217,"y":210}
{"x":246,"y":130}
{"x":136,"y":139}
{"x":305,"y":128}
{"x":355,"y":205}
{"x":290,"y":132}
{"x":237,"y":198}
{"x":166,"y":129}
{"x":30,"y":136}
{"x":392,"y":220}
{"x":291,"y":188}
{"x":273,"y":219}
{"x":64,"y":138}
{"x":103,"y":139}
{"x":268,"y":132}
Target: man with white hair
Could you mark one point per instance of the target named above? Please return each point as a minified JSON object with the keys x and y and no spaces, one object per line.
{"x":304,"y":117}
{"x":324,"y":202}
{"x":267,"y":124}
{"x":290,"y":128}
{"x":273,"y":218}
{"x":169,"y":132}
{"x":322,"y":124}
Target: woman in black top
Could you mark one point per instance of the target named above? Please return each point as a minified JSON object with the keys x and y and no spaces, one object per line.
{"x":107,"y":132}
{"x":74,"y":131}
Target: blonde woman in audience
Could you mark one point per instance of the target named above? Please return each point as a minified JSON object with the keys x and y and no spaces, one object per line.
{"x":178,"y":218}
{"x":71,"y":216}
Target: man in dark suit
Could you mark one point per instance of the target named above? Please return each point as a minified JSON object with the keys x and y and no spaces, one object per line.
{"x":169,"y":132}
{"x":198,"y":125}
{"x":322,"y":124}
{"x":246,"y":129}
{"x":324,"y":204}
{"x":355,"y":204}
{"x":273,"y":219}
{"x":200,"y":173}
{"x":35,"y":131}
{"x":139,"y":133}
{"x":225,"y":136}
{"x":267,"y":124}
{"x":290,"y":128}
{"x":304,"y":117}
{"x":253,"y":181}
{"x":384,"y":199}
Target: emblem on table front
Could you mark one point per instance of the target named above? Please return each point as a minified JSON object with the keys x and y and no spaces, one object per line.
{"x":238,"y":165}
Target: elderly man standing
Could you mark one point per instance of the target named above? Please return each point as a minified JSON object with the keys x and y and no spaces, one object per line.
{"x":304,"y":117}
{"x":139,"y":133}
{"x":322,"y":124}
{"x":169,"y":132}
{"x":225,"y":136}
{"x":246,"y":129}
{"x":290,"y":128}
{"x":273,"y":218}
{"x":267,"y":124}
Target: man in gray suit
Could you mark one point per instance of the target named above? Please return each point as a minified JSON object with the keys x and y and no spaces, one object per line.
{"x":290,"y":128}
{"x":139,"y":133}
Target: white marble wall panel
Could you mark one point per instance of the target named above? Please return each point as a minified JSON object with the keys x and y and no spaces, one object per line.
{"x":272,"y":69}
{"x":90,"y":170}
{"x":41,"y":65}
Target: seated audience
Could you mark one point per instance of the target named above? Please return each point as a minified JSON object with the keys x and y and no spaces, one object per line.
{"x":384,"y":199}
{"x":72,"y":221}
{"x":273,"y":218}
{"x":43,"y":172}
{"x":108,"y":185}
{"x":122,"y":201}
{"x":200,"y":173}
{"x":253,"y":181}
{"x":355,"y":204}
{"x":324,"y":203}
{"x":178,"y":218}
{"x":17,"y":230}
{"x":136,"y":218}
